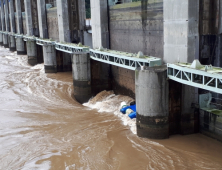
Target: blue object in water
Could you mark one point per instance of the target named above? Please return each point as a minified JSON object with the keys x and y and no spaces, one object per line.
{"x":123,"y":110}
{"x":132,"y":115}
{"x":132,"y":107}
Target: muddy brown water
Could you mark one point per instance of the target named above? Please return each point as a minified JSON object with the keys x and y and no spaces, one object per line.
{"x":43,"y":127}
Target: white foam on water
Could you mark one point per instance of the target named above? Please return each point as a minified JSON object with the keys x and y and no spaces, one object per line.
{"x":107,"y":101}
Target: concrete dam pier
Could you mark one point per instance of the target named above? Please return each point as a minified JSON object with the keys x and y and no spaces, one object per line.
{"x":166,"y":54}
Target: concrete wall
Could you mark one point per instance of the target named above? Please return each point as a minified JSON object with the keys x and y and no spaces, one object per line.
{"x":134,"y":27}
{"x":52,"y":21}
{"x":137,"y":26}
{"x":123,"y":81}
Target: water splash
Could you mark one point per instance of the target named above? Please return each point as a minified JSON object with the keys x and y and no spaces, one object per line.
{"x":107,"y":101}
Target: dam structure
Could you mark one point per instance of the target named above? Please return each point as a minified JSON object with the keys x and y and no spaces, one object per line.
{"x":166,"y":54}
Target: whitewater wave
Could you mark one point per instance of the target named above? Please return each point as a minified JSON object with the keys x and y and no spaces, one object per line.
{"x":107,"y":101}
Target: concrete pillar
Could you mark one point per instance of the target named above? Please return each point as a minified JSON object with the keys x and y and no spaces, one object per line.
{"x":20,"y":44}
{"x":181,"y":44}
{"x":1,"y":35}
{"x":152,"y":102}
{"x":43,"y":30}
{"x":49,"y":54}
{"x":7,"y":26}
{"x":12,"y":44}
{"x":32,"y":52}
{"x":30,"y":44}
{"x":99,"y":19}
{"x":63,"y":20}
{"x":181,"y":31}
{"x":82,"y":18}
{"x":81,"y":77}
{"x":2,"y":20}
{"x":28,"y":16}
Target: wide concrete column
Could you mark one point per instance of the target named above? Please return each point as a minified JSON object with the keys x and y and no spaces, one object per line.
{"x":30,"y":44}
{"x":152,"y":102}
{"x":63,"y":20}
{"x":32,"y":52}
{"x":20,"y":44}
{"x":7,"y":26}
{"x":81,"y":77}
{"x":49,"y":52}
{"x":99,"y":19}
{"x":181,"y":44}
{"x":12,"y":44}
{"x":50,"y":62}
{"x":181,"y":31}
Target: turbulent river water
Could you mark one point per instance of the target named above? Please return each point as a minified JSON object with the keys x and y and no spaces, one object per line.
{"x":43,"y":127}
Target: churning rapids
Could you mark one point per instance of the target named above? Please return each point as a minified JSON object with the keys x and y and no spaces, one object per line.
{"x":43,"y":127}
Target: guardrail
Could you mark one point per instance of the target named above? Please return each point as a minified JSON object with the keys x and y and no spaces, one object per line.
{"x":202,"y":76}
{"x":122,"y":59}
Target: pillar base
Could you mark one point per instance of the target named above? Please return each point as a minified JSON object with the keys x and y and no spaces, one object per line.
{"x":20,"y":46}
{"x":21,"y":52}
{"x":156,"y":127}
{"x":32,"y":61}
{"x":50,"y":69}
{"x":12,"y":49}
{"x":6,"y":45}
{"x":1,"y":43}
{"x":31,"y":52}
{"x":82,"y":91}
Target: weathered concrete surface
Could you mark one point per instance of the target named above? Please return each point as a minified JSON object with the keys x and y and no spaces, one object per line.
{"x":100,"y":76}
{"x":99,"y":20}
{"x":189,"y":116}
{"x":67,"y":62}
{"x":52,"y":21}
{"x":137,"y":26}
{"x":181,"y":31}
{"x":63,"y":20}
{"x":152,"y":102}
{"x":175,"y":95}
{"x":81,"y":77}
{"x":123,"y":81}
